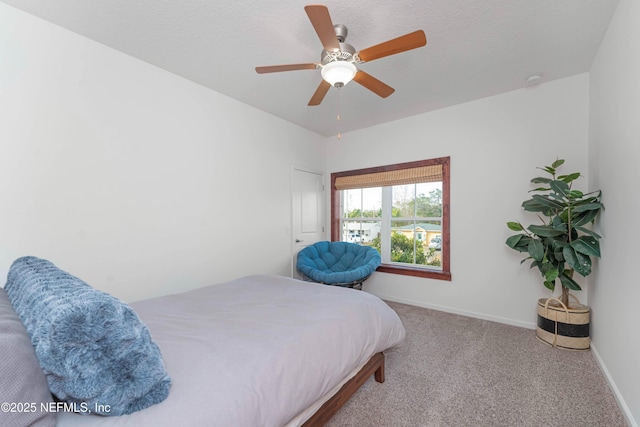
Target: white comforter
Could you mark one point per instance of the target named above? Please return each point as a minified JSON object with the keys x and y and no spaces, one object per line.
{"x":256,"y":351}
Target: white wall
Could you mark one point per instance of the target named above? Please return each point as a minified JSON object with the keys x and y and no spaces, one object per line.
{"x":614,"y":161}
{"x":495,"y":145}
{"x":136,"y":180}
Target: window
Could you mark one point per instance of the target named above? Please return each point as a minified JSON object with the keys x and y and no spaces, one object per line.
{"x":402,"y":210}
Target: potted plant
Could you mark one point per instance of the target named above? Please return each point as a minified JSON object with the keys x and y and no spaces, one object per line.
{"x":560,"y":246}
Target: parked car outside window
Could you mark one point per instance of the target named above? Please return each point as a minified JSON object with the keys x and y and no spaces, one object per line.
{"x":436,"y":243}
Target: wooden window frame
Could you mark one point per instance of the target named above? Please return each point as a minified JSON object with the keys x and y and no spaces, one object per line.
{"x":445,"y":162}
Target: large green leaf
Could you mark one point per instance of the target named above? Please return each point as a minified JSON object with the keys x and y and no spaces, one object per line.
{"x":589,"y":232}
{"x":587,"y":245}
{"x":541,"y":180}
{"x":568,"y":282}
{"x":560,"y":187}
{"x":579,"y":262}
{"x":519,"y":242}
{"x":550,"y":284}
{"x":536,"y":249}
{"x":545,"y":230}
{"x":559,"y":224}
{"x":582,"y":218}
{"x":532,"y":205}
{"x":596,"y":206}
{"x":551,"y":275}
{"x":570,"y":177}
{"x":557,"y":247}
{"x":559,"y":197}
{"x":515,"y":226}
{"x":512,"y":241}
{"x":546,"y":201}
{"x":557,"y":163}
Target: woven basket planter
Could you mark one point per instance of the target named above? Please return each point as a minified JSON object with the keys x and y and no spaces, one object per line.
{"x":563,"y":327}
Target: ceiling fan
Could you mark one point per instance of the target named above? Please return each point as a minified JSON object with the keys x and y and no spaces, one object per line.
{"x":338,"y":58}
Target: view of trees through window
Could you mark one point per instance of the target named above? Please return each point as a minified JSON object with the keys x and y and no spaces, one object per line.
{"x":403,"y":222}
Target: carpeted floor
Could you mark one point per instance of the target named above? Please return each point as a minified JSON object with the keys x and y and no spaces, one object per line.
{"x":459,"y":371}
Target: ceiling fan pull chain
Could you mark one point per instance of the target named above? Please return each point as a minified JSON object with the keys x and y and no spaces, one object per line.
{"x":339,"y":108}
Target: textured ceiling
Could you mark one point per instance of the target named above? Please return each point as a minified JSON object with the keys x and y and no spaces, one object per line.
{"x":475,"y":48}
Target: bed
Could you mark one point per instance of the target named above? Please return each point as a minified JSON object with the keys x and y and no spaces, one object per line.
{"x":261,"y":350}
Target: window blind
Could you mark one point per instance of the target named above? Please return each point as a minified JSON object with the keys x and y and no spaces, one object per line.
{"x":429,"y":173}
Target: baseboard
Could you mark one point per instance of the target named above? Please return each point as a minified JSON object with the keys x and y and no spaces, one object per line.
{"x":621,"y":403}
{"x":498,"y":319}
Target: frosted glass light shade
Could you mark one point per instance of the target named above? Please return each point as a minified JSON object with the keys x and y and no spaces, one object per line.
{"x":338,"y":72}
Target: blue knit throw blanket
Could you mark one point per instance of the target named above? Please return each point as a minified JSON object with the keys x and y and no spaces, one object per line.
{"x":93,"y":348}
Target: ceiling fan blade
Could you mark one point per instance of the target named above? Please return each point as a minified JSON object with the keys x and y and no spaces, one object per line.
{"x":318,"y":96}
{"x":287,"y":67}
{"x":373,"y":84}
{"x":391,"y":47}
{"x":321,"y":21}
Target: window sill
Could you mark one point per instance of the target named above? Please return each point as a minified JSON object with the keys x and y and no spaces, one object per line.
{"x":416,"y":272}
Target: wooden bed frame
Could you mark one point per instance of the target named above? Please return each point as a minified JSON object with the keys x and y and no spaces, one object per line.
{"x":375,"y":366}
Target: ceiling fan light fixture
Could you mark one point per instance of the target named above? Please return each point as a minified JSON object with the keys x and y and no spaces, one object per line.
{"x":338,"y":72}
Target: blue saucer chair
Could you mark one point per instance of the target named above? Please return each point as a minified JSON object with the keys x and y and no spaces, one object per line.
{"x":338,"y":263}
